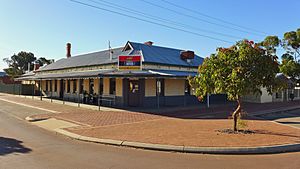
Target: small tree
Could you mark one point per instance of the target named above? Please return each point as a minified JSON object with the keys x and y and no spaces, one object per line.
{"x":237,"y":71}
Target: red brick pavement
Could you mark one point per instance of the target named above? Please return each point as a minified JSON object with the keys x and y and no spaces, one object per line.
{"x":101,"y":118}
{"x":193,"y":127}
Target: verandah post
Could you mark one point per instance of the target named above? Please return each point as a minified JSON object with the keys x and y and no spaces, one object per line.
{"x":63,"y":90}
{"x":99,"y":79}
{"x":40,"y":87}
{"x":51,"y":90}
{"x":78,"y":93}
{"x":33,"y":87}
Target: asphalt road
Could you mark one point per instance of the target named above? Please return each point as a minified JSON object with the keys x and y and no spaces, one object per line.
{"x":23,"y":145}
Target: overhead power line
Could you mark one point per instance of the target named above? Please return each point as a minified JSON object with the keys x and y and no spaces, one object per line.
{"x":211,"y":17}
{"x":148,"y":21}
{"x":156,"y":18}
{"x":200,"y":19}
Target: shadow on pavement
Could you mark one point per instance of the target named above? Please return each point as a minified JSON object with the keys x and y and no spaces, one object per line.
{"x":276,"y":133}
{"x":10,"y":145}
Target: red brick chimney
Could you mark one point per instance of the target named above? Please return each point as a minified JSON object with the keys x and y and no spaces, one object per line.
{"x":36,"y":66}
{"x":149,"y":43}
{"x":187,"y":55}
{"x":68,"y":50}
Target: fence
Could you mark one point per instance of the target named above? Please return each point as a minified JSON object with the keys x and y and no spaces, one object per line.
{"x":22,"y":89}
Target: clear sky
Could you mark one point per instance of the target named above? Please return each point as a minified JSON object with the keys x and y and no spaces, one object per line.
{"x":45,"y":26}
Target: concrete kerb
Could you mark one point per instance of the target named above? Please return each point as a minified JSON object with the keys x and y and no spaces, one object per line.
{"x":30,"y":119}
{"x":274,"y":111}
{"x":187,"y":149}
{"x":88,"y":139}
{"x":245,"y":150}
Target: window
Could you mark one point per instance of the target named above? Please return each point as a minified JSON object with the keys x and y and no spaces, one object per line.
{"x":187,"y":88}
{"x":51,"y":87}
{"x":74,"y":86}
{"x":55,"y":85}
{"x":278,"y":95}
{"x":91,"y":82}
{"x":68,"y":86}
{"x":101,"y":86}
{"x":112,"y":86}
{"x":160,"y":87}
{"x":47,"y":85}
{"x":80,"y":85}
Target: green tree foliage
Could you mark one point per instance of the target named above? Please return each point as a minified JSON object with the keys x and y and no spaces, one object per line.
{"x":291,"y":43}
{"x":18,"y":63}
{"x":43,"y":61}
{"x":287,"y":56}
{"x":237,"y":71}
{"x":290,"y":67}
{"x":270,"y":44}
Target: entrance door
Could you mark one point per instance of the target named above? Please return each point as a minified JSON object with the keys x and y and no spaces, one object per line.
{"x":134,"y":93}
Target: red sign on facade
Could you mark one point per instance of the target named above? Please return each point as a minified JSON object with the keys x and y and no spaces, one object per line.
{"x":130,"y":63}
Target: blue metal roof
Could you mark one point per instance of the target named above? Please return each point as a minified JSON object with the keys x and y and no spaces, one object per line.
{"x":163,"y":55}
{"x":151,"y":54}
{"x":2,"y":74}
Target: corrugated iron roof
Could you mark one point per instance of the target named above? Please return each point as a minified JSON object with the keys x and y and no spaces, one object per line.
{"x":90,"y":59}
{"x":151,"y":54}
{"x":2,"y":74}
{"x":110,"y":73}
{"x":148,"y":73}
{"x":72,"y":75}
{"x":164,"y":55}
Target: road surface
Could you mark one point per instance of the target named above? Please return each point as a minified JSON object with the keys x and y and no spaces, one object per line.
{"x":23,"y":145}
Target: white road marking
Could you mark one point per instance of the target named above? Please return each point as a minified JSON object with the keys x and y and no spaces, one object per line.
{"x":26,"y":105}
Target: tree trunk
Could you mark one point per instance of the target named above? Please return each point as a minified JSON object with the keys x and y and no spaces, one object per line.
{"x":236,"y":113}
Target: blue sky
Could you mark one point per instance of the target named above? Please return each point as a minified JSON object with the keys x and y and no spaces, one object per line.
{"x":45,"y":26}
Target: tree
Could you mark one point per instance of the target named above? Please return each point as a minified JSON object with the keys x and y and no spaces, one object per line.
{"x":236,"y":71}
{"x":291,"y":43}
{"x":18,"y":64}
{"x":43,"y":61}
{"x":290,"y":67}
{"x":270,"y":44}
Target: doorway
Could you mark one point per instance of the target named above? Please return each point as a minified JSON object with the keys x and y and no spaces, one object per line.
{"x":134,"y":93}
{"x":62,"y":89}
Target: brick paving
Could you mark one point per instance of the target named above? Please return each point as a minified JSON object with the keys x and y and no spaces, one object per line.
{"x":82,"y":115}
{"x":194,"y":127}
{"x":199,"y":133}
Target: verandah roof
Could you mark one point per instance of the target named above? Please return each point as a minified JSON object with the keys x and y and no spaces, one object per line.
{"x":149,"y":73}
{"x":70,"y":75}
{"x":111,"y":73}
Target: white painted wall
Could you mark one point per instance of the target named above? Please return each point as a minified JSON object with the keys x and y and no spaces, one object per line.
{"x":265,"y":97}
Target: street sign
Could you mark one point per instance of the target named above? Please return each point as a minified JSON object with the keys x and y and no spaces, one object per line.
{"x":130,"y":63}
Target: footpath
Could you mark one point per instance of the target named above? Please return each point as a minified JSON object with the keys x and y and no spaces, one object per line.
{"x":193,"y":130}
